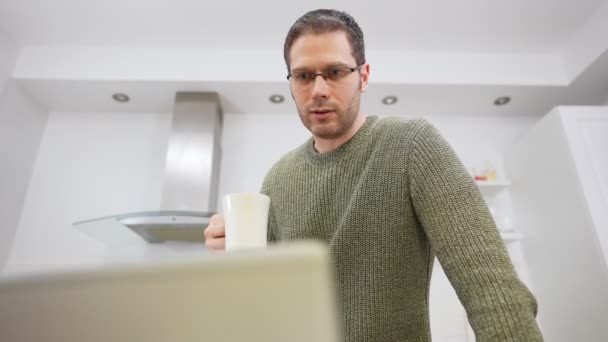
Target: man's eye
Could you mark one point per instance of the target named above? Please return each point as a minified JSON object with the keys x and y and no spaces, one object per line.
{"x":302,"y":76}
{"x":335,"y":73}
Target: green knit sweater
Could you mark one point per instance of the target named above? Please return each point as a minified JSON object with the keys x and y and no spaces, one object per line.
{"x":386,"y":202}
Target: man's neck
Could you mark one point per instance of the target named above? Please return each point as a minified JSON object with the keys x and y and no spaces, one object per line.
{"x":328,"y":145}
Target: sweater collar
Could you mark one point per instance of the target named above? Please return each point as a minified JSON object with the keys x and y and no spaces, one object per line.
{"x":352,"y":144}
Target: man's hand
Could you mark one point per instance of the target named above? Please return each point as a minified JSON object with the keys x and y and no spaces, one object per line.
{"x":215,"y":233}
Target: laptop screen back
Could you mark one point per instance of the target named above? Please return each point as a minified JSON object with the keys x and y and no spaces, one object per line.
{"x":284,"y":293}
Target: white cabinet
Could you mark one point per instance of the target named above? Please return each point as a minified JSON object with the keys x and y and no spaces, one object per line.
{"x":587,"y":133}
{"x":560,"y":185}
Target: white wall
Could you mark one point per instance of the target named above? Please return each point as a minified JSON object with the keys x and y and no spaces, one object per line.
{"x":89,"y":165}
{"x":253,"y":142}
{"x":477,"y":139}
{"x":21,"y":126}
{"x":8,"y":59}
{"x":97,"y":164}
{"x":586,"y":45}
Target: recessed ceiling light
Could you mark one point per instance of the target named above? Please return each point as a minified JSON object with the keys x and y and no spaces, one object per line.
{"x":276,"y":98}
{"x":501,"y":101}
{"x":389,"y":100}
{"x":121,"y":97}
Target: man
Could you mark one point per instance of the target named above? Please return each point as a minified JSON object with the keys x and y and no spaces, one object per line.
{"x":386,"y":195}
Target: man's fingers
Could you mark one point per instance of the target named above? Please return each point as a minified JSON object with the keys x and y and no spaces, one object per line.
{"x":216,"y":219}
{"x":214,"y":231}
{"x":218,"y":243}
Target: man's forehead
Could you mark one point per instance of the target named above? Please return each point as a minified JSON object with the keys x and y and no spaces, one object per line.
{"x":319,"y":50}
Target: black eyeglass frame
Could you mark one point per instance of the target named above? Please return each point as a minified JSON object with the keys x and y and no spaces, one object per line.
{"x":324,"y":74}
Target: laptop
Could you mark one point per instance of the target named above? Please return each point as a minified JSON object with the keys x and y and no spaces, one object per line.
{"x":279,"y":294}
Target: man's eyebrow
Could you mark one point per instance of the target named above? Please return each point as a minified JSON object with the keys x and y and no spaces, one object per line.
{"x":328,"y":66}
{"x":301,"y":69}
{"x":337,"y":65}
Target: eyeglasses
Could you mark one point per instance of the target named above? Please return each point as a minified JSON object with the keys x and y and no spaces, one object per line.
{"x":332,"y":75}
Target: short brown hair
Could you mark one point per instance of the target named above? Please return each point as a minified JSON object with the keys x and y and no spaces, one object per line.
{"x":325,"y":21}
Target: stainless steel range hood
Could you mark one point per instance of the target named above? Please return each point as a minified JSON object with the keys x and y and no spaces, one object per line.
{"x":190,"y":180}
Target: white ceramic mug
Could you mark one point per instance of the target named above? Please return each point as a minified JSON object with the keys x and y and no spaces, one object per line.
{"x":246,"y":220}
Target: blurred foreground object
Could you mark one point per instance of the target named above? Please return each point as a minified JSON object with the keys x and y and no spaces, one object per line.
{"x":283,"y":293}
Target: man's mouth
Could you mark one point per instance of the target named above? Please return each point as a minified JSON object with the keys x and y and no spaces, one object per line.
{"x":321,"y":112}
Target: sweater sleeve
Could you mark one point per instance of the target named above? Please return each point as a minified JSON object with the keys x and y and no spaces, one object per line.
{"x":465,"y":239}
{"x":271,"y":229}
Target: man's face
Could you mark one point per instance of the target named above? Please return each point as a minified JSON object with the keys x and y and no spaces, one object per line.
{"x":328,"y":108}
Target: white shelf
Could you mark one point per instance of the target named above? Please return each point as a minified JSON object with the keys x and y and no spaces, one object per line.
{"x":493,"y":186}
{"x":511,"y":236}
{"x":493,"y":183}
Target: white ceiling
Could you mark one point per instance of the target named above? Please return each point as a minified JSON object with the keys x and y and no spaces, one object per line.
{"x":478,"y":25}
{"x":514,"y":31}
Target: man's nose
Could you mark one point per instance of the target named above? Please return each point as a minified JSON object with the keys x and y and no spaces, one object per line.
{"x":320,"y":87}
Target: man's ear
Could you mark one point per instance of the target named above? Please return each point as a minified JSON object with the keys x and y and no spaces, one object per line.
{"x":364,"y":77}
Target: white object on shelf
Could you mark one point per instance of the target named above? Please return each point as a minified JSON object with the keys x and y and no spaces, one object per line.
{"x":512,"y":236}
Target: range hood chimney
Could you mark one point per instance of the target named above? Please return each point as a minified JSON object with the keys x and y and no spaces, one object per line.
{"x":191,"y":176}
